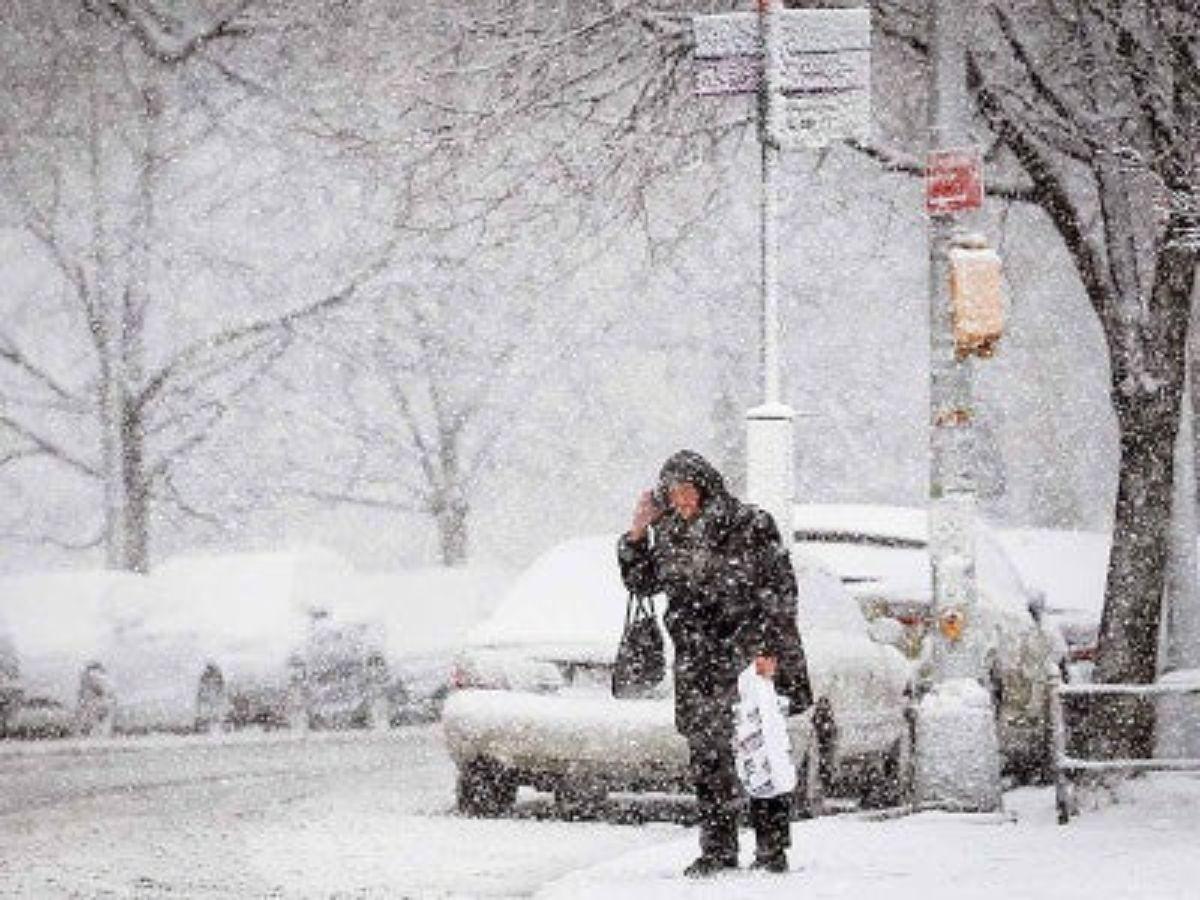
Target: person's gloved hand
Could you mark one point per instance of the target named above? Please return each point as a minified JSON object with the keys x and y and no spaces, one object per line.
{"x":645,"y":514}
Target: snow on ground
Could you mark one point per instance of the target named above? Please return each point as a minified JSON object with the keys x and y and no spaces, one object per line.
{"x":363,"y":815}
{"x":371,"y":816}
{"x":1143,"y":847}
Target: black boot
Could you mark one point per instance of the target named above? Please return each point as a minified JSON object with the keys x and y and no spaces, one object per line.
{"x":770,"y":862}
{"x":706,"y":865}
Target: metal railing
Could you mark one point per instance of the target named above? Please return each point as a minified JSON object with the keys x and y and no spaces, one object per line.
{"x":1065,"y":766}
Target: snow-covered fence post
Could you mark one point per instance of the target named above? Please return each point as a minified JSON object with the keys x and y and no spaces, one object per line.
{"x":1179,"y":685}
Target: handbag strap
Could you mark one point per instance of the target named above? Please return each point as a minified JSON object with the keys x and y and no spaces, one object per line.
{"x":638,"y":607}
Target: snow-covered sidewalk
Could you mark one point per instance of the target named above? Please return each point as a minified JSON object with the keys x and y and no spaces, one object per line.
{"x":1143,"y":846}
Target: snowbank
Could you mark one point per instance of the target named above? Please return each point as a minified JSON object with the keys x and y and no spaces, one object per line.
{"x":1143,"y":847}
{"x":957,"y":757}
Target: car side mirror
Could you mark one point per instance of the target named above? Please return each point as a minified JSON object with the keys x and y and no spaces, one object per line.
{"x":1037,"y":604}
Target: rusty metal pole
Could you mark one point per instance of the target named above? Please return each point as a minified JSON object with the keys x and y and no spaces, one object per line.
{"x":956,"y":753}
{"x":952,"y":411}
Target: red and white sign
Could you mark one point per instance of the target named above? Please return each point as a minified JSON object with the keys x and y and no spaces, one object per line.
{"x":953,"y":181}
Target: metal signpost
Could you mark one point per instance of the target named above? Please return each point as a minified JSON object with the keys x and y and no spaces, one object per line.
{"x":811,"y":70}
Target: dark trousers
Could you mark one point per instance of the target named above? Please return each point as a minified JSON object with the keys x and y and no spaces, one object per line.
{"x":714,"y":778}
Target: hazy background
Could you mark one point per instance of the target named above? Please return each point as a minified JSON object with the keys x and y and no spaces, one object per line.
{"x":581,"y":304}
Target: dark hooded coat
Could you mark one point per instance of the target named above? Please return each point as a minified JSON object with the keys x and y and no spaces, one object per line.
{"x":731,"y":593}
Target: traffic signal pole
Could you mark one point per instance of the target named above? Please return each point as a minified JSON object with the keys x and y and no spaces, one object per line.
{"x":957,"y":753}
{"x":952,"y":409}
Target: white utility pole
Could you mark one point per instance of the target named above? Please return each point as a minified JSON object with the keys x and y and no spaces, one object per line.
{"x":770,"y":475}
{"x":770,"y":101}
{"x":811,"y":72}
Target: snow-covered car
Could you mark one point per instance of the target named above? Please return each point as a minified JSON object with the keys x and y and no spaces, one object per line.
{"x":234,"y":640}
{"x":10,"y":679}
{"x":345,"y":674}
{"x":422,"y":616}
{"x":62,"y":637}
{"x":881,"y":555}
{"x":533,"y":703}
{"x":1070,"y":568}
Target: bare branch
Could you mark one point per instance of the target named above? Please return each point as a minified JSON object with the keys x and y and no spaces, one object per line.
{"x":11,"y":354}
{"x":361,"y":500}
{"x":46,"y":447}
{"x":195,"y":353}
{"x":160,"y":37}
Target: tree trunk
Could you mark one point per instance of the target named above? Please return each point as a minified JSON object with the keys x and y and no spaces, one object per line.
{"x":452,"y":533}
{"x":135,"y":518}
{"x":1129,"y":628}
{"x":127,"y":500}
{"x":1147,"y":394}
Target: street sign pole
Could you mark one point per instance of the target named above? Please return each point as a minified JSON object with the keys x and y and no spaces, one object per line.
{"x":770,"y":439}
{"x":958,"y":705}
{"x":769,"y":108}
{"x":811,"y":71}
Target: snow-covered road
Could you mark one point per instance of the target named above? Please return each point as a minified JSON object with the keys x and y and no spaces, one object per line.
{"x":358,"y":815}
{"x":371,"y":815}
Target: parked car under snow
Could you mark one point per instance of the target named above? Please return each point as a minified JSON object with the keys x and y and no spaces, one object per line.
{"x":533,"y":704}
{"x":205,"y":643}
{"x":10,"y":679}
{"x":881,"y":554}
{"x":61,"y":641}
{"x":243,"y":640}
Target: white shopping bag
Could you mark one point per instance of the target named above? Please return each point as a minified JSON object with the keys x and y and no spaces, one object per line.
{"x":761,"y":744}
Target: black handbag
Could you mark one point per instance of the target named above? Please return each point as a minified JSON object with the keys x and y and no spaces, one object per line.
{"x":641,"y":662}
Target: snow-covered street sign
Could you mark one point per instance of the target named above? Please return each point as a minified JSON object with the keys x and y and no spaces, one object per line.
{"x":728,"y":75}
{"x":822,"y":74}
{"x":818,"y":119}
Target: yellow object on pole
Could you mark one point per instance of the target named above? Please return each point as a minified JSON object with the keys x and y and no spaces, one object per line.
{"x":976,"y":298}
{"x":951,"y":624}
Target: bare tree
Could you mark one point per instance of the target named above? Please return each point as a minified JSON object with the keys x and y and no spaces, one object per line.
{"x":110,"y":103}
{"x":1097,"y":104}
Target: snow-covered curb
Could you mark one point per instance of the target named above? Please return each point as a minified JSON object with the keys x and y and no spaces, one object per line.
{"x":1143,"y":846}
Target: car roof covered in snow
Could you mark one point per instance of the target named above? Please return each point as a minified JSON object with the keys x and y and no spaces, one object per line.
{"x":1069,"y":566}
{"x":426,"y":612}
{"x":60,"y":611}
{"x":573,"y":596}
{"x":902,"y":522}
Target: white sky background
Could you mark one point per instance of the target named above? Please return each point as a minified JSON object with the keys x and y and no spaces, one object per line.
{"x":659,"y":312}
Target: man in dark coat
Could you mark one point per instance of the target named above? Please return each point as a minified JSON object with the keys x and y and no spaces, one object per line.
{"x":731,"y":602}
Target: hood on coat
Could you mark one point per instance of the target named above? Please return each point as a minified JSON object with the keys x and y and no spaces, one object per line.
{"x":690,"y":466}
